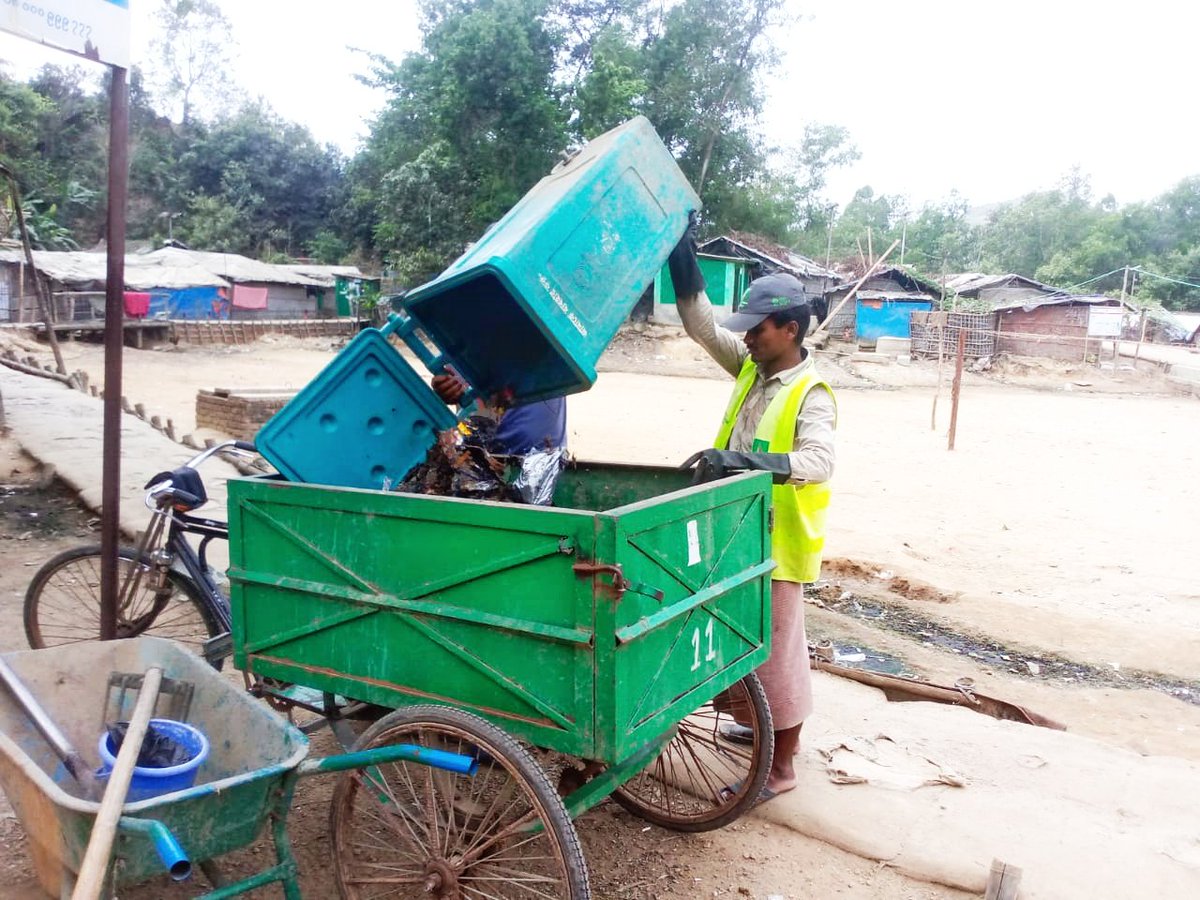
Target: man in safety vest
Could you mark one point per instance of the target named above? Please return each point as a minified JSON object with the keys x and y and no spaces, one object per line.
{"x":781,"y":419}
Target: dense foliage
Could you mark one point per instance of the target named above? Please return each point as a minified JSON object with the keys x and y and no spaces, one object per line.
{"x":498,"y":90}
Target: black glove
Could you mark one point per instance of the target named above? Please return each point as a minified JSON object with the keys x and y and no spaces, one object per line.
{"x":684,"y":267}
{"x":713,"y":464}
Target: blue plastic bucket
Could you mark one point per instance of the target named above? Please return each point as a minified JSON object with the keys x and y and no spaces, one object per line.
{"x":148,"y":782}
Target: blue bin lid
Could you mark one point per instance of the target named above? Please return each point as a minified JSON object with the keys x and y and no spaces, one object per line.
{"x":364,"y":421}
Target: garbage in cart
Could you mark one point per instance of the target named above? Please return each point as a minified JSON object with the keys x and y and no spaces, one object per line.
{"x":470,"y":465}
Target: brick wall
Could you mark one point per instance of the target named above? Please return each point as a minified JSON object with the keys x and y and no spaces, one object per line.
{"x":238,"y":414}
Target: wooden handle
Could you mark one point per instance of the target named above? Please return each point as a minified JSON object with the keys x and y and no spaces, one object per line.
{"x":95,"y":860}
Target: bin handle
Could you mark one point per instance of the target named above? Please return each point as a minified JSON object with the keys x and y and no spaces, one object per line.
{"x":404,"y":327}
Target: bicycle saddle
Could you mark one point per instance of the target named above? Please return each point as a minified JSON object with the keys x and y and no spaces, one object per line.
{"x":187,"y":487}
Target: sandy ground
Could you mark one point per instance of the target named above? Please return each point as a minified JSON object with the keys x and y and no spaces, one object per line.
{"x":1061,"y":526}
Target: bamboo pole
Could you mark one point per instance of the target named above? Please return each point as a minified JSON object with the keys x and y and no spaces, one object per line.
{"x":938,"y":391}
{"x":854,"y":290}
{"x":94,"y":868}
{"x":954,"y":390}
{"x":38,"y":286}
{"x":1004,"y":881}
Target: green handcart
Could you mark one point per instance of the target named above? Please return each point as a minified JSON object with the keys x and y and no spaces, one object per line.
{"x":611,"y":638}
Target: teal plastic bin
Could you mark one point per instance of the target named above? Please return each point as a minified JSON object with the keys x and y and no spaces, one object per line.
{"x":528,"y":309}
{"x":525,"y":314}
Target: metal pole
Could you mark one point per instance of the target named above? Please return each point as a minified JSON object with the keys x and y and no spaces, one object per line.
{"x":114,"y":316}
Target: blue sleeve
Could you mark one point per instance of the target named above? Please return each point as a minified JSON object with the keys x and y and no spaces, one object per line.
{"x":532,"y":426}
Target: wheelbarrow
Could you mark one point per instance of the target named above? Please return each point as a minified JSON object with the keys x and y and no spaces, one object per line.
{"x":246,"y":782}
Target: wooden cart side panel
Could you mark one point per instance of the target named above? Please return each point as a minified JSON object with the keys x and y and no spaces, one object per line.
{"x":709,"y":553}
{"x":397,"y":599}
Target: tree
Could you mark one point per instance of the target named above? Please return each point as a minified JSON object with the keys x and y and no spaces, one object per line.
{"x":500,"y":86}
{"x":192,"y":51}
{"x":1022,"y":237}
{"x":941,"y":240}
{"x":704,"y":78}
{"x":612,"y":90}
{"x":158,"y":191}
{"x":282,"y":184}
{"x":474,"y":120}
{"x":218,"y":224}
{"x":22,"y":112}
{"x":869,"y":220}
{"x":822,"y":149}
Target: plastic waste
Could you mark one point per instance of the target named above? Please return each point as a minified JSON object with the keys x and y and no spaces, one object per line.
{"x":455,"y":468}
{"x":159,"y":750}
{"x":539,"y":475}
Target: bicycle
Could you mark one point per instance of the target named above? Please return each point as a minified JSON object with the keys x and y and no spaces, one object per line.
{"x":165,"y":585}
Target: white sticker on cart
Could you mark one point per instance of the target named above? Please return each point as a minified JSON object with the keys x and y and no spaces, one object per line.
{"x":693,"y":534}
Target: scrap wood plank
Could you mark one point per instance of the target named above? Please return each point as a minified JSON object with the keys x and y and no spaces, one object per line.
{"x":1003,"y":881}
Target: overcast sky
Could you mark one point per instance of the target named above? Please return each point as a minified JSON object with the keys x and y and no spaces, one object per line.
{"x":992,"y":99}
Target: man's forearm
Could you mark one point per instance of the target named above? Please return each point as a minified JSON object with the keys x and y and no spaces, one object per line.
{"x":813,"y":455}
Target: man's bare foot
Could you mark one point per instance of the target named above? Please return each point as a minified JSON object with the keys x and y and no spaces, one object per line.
{"x":777,"y":785}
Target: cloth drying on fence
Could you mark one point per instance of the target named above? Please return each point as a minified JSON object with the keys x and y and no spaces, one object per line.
{"x":249,"y":298}
{"x":137,"y":304}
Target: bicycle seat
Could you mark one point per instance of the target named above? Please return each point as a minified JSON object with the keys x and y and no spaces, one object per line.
{"x":186,"y":491}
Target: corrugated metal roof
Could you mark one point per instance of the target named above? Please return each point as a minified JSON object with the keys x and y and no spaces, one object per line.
{"x":1028,"y":304}
{"x":141,"y":272}
{"x":977,"y":281}
{"x":233,"y":267}
{"x":1176,"y":326}
{"x":900,"y":274}
{"x":325,"y":274}
{"x":1190,"y":321}
{"x":775,"y":254}
{"x":892,"y":295}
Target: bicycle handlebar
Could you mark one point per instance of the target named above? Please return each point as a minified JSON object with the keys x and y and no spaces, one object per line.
{"x":240,"y":446}
{"x":163,"y":483}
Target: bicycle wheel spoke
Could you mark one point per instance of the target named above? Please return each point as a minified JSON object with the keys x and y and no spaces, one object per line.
{"x":469,"y":837}
{"x":527,"y":884}
{"x":62,"y":604}
{"x":685,"y":787}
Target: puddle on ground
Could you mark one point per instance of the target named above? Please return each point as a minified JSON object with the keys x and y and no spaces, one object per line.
{"x":987,"y":652}
{"x":858,"y":656}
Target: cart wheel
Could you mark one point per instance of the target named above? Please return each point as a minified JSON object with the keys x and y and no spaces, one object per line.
{"x":406,"y":830}
{"x":62,"y":603}
{"x":701,"y":780}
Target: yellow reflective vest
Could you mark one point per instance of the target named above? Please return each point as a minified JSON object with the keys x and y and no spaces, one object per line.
{"x":799,"y":535}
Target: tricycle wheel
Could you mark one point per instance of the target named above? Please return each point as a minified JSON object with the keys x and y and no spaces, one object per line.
{"x":407,"y":830}
{"x":702,"y":780}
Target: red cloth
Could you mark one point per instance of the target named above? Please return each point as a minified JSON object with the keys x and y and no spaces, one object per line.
{"x":249,"y":298}
{"x":137,"y":304}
